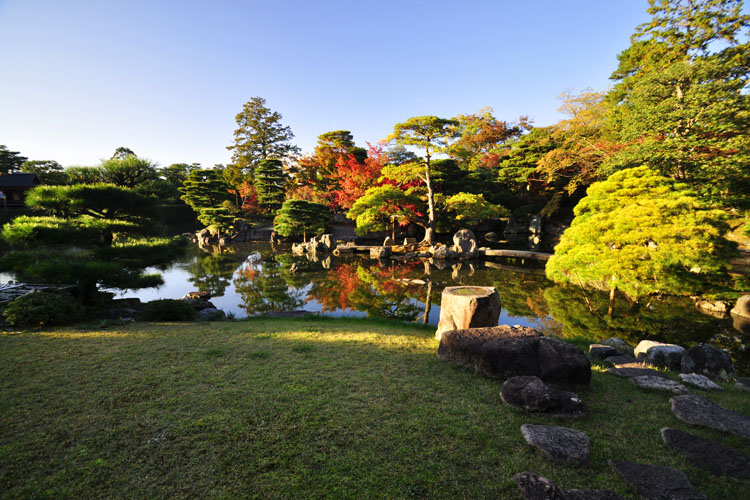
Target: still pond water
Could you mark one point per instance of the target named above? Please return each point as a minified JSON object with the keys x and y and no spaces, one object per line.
{"x":253,"y":279}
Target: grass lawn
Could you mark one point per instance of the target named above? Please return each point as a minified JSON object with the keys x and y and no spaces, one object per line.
{"x":295,"y":408}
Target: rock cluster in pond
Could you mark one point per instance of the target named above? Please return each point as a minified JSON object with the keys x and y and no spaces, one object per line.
{"x":654,"y":482}
{"x":531,"y":394}
{"x":705,"y":454}
{"x":659,"y":354}
{"x":205,"y":310}
{"x":560,"y":444}
{"x":659,"y":384}
{"x":316,"y":246}
{"x":501,"y":352}
{"x":699,"y":410}
{"x":463,"y":307}
{"x":700,"y":381}
{"x":535,"y":487}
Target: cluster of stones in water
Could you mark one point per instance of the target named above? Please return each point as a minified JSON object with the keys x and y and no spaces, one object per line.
{"x":522,"y":355}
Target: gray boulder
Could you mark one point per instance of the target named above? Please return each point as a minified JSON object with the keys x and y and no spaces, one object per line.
{"x":742,"y":308}
{"x":619,"y":344}
{"x":654,"y":482}
{"x":601,"y":352}
{"x":742,"y":384}
{"x":529,"y":393}
{"x":659,"y":384}
{"x":620,"y":360}
{"x":700,"y":381}
{"x":210,"y":314}
{"x":380,"y":253}
{"x":699,"y":410}
{"x":502,"y":352}
{"x":535,"y":487}
{"x":707,"y":455}
{"x":628,"y":371}
{"x":328,"y":242}
{"x":659,"y":354}
{"x":443,"y":253}
{"x":707,"y":360}
{"x":559,"y":444}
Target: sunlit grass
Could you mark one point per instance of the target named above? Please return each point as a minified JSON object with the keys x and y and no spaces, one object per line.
{"x":292,"y":408}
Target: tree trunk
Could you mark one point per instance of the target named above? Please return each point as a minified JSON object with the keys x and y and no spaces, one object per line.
{"x":429,"y":234}
{"x":427,"y":303}
{"x":612,"y":297}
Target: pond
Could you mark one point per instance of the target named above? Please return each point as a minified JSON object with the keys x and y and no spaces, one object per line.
{"x":253,"y":279}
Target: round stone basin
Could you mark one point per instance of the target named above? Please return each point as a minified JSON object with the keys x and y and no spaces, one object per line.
{"x":469,"y":290}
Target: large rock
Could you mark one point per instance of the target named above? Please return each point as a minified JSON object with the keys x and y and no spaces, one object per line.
{"x":380,"y":253}
{"x":601,"y":352}
{"x":620,"y":345}
{"x":464,"y":307}
{"x":659,"y":384}
{"x":699,"y":410}
{"x":560,"y":444}
{"x":210,"y":314}
{"x":503,"y":351}
{"x":198,"y":304}
{"x":655,"y":482}
{"x":328,"y":242}
{"x":704,"y":454}
{"x":742,"y":384}
{"x":204,"y":237}
{"x":535,"y":487}
{"x":700,"y":381}
{"x":443,"y":253}
{"x":742,"y":308}
{"x":707,"y":360}
{"x":465,"y":243}
{"x":659,"y":354}
{"x":621,"y":359}
{"x":531,"y":394}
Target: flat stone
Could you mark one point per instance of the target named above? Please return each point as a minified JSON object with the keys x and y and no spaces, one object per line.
{"x":660,"y":354}
{"x":601,"y":352}
{"x":560,"y":444}
{"x":707,"y":360}
{"x":620,"y":359}
{"x":705,"y":454}
{"x":742,"y":384}
{"x":659,"y":384}
{"x":699,"y":410}
{"x":619,"y":344}
{"x":529,"y":393}
{"x":635,"y":372}
{"x":654,"y":482}
{"x":535,"y":487}
{"x":506,"y":351}
{"x":701,"y":382}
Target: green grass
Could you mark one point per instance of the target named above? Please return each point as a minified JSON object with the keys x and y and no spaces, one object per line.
{"x":294,"y":408}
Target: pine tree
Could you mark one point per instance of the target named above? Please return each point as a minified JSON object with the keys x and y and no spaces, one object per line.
{"x":300,"y":218}
{"x":208,"y":194}
{"x":269,"y":184}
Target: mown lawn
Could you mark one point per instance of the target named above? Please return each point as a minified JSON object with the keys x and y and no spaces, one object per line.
{"x":294,"y":408}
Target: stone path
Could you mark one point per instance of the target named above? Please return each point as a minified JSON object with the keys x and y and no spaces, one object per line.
{"x":700,"y":381}
{"x":654,"y":482}
{"x":535,"y":487}
{"x":635,"y":372}
{"x":529,"y":393}
{"x":699,"y":410}
{"x":705,"y":454}
{"x":559,"y":444}
{"x":659,"y":384}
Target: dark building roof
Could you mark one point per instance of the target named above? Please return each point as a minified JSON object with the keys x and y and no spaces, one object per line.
{"x":18,"y":180}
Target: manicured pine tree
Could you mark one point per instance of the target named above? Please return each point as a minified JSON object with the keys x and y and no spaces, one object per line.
{"x":269,"y":184}
{"x":300,"y":218}
{"x":208,"y":194}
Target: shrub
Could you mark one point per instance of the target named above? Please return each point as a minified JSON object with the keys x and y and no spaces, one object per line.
{"x":43,"y":309}
{"x":168,"y":310}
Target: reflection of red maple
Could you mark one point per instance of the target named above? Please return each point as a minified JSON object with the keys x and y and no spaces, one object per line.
{"x":335,"y":291}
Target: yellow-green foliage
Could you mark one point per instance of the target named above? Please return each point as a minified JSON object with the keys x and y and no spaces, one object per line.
{"x":642,"y":233}
{"x":472,"y":207}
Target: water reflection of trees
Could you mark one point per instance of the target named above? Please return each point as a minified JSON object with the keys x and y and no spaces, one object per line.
{"x":212,"y":272}
{"x":260,"y":282}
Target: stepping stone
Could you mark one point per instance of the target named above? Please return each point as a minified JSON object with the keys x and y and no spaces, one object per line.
{"x":742,"y":384}
{"x":655,"y":482}
{"x":659,"y":384}
{"x":700,"y":381}
{"x":560,"y":444}
{"x":620,"y":345}
{"x":635,"y":372}
{"x":620,"y":359}
{"x":709,"y":361}
{"x":600,"y":351}
{"x":535,"y":487}
{"x":660,"y":354}
{"x":531,"y":394}
{"x":705,"y":454}
{"x":699,"y":410}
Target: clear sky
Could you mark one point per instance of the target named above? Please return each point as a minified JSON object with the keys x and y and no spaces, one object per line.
{"x":166,"y":78}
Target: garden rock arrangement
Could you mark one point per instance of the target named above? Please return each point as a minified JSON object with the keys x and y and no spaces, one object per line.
{"x":533,"y":395}
{"x":655,"y":482}
{"x":701,"y":382}
{"x":659,"y":354}
{"x":205,"y":310}
{"x":463,"y":307}
{"x":534,"y":487}
{"x":705,"y":454}
{"x":560,"y":444}
{"x":706,"y":360}
{"x":316,"y":246}
{"x":699,"y":410}
{"x":505,"y":351}
{"x":659,"y":384}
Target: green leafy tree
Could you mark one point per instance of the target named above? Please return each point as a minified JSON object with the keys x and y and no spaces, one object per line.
{"x":122,"y":152}
{"x":177,"y":173}
{"x":89,"y":236}
{"x":300,"y":218}
{"x":84,"y":175}
{"x":642,"y":233}
{"x":384,"y":207}
{"x":208,"y":194}
{"x":433,"y":136}
{"x":128,"y":171}
{"x":10,"y":161}
{"x":681,"y":97}
{"x":47,"y":171}
{"x":270,"y":185}
{"x":259,"y":135}
{"x":481,"y":133}
{"x":470,"y":208}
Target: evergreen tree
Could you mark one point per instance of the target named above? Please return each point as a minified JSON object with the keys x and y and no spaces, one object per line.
{"x":47,"y":171}
{"x":300,"y":218}
{"x":10,"y":161}
{"x":208,"y":194}
{"x":270,"y":185}
{"x":642,"y":233}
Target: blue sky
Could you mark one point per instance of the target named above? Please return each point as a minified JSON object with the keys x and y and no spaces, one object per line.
{"x":166,"y":78}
